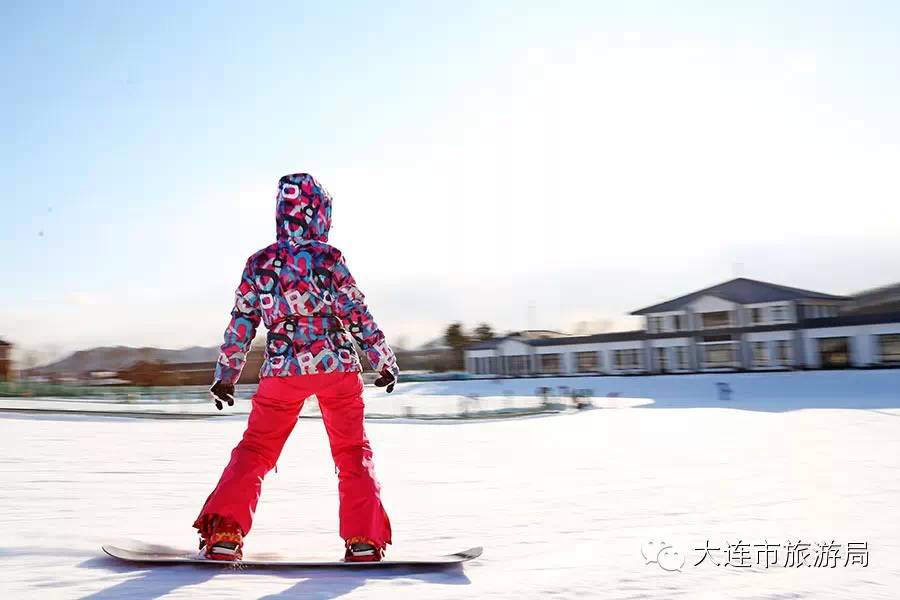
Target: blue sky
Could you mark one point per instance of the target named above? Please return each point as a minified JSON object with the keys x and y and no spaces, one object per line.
{"x":587,"y":158}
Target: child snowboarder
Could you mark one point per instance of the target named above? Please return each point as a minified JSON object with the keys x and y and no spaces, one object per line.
{"x":301,"y":289}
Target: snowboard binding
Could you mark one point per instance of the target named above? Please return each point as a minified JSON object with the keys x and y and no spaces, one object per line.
{"x":361,"y":549}
{"x":221,"y":539}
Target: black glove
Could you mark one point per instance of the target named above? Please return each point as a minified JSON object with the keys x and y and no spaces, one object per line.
{"x":222,"y":392}
{"x":387,"y":379}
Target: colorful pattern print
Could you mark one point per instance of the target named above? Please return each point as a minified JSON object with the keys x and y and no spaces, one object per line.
{"x":301,"y":289}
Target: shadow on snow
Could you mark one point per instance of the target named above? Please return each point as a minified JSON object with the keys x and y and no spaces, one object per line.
{"x":157,"y":581}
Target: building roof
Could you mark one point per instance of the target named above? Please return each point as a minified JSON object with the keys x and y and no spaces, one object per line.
{"x":885,"y":293}
{"x":614,"y":336}
{"x":561,"y":339}
{"x":528,"y":336}
{"x":848,"y":320}
{"x":741,"y":291}
{"x":623,"y":336}
{"x":486,"y":344}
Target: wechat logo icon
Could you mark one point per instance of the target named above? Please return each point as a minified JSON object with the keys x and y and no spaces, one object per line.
{"x":663,"y":554}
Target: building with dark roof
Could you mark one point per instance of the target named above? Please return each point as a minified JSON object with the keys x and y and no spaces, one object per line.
{"x":5,"y":360}
{"x":745,"y":292}
{"x":742,"y":324}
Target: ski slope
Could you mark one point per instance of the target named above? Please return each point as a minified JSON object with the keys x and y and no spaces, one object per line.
{"x":564,"y":505}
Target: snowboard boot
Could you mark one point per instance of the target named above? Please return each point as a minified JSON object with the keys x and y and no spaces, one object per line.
{"x":360,"y":549}
{"x":222,"y":540}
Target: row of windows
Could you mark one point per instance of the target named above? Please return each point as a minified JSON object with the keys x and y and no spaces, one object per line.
{"x":833,"y":352}
{"x":719,"y":355}
{"x":485,"y":365}
{"x":551,"y":363}
{"x":778,"y":313}
{"x":672,"y":359}
{"x":778,"y":354}
{"x":715,"y":320}
{"x":626,"y":360}
{"x":588,"y":362}
{"x":762,"y":315}
{"x":817,"y":311}
{"x":668,"y":323}
{"x":889,"y":349}
{"x":585,"y":362}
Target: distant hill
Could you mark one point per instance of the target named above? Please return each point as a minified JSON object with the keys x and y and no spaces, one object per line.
{"x":116,"y":358}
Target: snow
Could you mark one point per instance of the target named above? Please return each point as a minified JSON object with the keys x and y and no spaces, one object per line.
{"x":774,"y":391}
{"x":563,"y":504}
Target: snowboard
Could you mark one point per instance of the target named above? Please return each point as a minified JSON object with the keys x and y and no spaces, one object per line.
{"x":139,"y":552}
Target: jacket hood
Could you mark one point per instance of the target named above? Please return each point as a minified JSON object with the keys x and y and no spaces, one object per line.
{"x":302,"y":210}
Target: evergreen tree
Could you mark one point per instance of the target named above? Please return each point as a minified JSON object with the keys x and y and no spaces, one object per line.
{"x":484,"y":332}
{"x":457,"y":339}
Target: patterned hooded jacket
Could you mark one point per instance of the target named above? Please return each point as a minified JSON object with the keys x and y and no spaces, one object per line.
{"x":301,"y":289}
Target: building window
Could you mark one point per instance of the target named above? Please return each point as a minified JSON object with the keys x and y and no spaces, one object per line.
{"x":485,"y":365}
{"x":662,"y":359}
{"x":681,"y":358}
{"x":626,"y":360}
{"x":663,"y":324}
{"x":889,"y":345}
{"x":518,"y":365}
{"x":834,"y":352}
{"x":817,"y":311}
{"x":783,"y":352}
{"x":713,"y":320}
{"x":551,"y":364}
{"x":587,"y":362}
{"x":779,"y":313}
{"x":756,"y":316}
{"x":760,"y":354}
{"x":719,"y":355}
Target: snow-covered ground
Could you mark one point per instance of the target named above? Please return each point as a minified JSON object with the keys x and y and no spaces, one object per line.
{"x":774,"y":391}
{"x":564,"y":505}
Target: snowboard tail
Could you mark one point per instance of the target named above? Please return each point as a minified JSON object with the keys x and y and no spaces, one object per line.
{"x":139,"y":552}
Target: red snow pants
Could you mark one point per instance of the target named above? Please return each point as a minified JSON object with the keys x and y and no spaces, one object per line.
{"x":276,"y":407}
